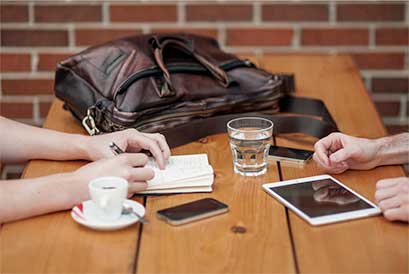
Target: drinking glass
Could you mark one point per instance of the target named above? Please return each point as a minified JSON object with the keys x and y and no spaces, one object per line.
{"x":250,"y":139}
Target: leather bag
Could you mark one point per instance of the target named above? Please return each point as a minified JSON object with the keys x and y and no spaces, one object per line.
{"x":181,"y":85}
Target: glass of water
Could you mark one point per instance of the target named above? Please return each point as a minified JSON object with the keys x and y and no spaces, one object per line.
{"x":250,"y":139}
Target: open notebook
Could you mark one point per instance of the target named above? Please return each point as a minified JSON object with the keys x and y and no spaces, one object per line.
{"x":184,"y":173}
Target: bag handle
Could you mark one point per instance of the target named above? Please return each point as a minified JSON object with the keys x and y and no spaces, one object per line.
{"x":158,"y":50}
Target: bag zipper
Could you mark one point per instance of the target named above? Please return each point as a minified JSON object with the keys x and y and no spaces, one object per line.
{"x":182,"y":114}
{"x":178,"y":69}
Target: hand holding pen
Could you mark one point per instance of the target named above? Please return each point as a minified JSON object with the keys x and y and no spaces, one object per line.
{"x":131,"y":141}
{"x":116,"y":150}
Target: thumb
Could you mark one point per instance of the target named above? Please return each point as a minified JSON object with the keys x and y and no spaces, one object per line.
{"x":341,"y":155}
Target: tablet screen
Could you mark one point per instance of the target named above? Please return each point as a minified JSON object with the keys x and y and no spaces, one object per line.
{"x":320,"y":198}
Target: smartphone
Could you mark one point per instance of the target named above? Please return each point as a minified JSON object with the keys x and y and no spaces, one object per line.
{"x":289,"y":154}
{"x":192,"y":211}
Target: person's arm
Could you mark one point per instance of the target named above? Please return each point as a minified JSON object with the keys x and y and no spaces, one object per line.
{"x":24,"y":198}
{"x":19,"y":143}
{"x":20,"y":199}
{"x":393,"y":150}
{"x":338,"y":152}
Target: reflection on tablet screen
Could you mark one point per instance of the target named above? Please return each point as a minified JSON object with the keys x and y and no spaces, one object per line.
{"x":320,"y":198}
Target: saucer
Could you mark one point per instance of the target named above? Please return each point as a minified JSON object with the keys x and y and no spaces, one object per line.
{"x":85,"y":214}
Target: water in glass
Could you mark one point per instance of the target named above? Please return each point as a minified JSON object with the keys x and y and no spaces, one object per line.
{"x":250,"y":146}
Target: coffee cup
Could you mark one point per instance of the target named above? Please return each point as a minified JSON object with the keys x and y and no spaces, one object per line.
{"x":108,"y":195}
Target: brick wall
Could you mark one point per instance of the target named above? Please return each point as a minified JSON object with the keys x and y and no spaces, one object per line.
{"x":35,"y":35}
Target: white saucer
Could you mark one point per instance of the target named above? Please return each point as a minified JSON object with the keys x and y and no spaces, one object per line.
{"x":85,"y":214}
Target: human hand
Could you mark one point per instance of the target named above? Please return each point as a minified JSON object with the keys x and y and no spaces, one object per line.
{"x":338,"y":152}
{"x":392,"y":196}
{"x":129,"y":166}
{"x":130,"y":140}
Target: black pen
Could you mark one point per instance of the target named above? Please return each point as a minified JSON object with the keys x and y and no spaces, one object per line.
{"x":115,"y":149}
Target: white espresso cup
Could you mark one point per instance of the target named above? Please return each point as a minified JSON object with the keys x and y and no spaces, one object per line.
{"x":108,"y":195}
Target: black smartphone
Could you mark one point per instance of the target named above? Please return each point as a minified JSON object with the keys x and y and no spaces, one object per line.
{"x":289,"y":154}
{"x":192,"y":211}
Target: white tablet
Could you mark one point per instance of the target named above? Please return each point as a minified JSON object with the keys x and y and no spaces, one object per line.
{"x":321,"y":199}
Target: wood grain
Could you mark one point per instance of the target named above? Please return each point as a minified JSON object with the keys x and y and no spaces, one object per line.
{"x":360,"y":246}
{"x":210,"y":246}
{"x":54,"y":243}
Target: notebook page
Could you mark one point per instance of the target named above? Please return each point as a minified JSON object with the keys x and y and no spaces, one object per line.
{"x":178,"y":190}
{"x":182,"y":161}
{"x":206,"y":180}
{"x":176,"y":174}
{"x":180,"y":169}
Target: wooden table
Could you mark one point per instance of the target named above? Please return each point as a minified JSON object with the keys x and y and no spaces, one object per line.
{"x":275,"y":239}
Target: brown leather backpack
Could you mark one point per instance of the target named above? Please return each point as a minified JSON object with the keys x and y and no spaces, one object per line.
{"x":181,"y":85}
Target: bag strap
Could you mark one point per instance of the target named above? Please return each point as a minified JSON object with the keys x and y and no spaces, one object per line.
{"x":306,"y":106}
{"x":283,"y":124}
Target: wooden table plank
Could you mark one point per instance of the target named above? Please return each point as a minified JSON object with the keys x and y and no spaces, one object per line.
{"x":54,"y":243}
{"x":366,"y":245}
{"x":210,"y":246}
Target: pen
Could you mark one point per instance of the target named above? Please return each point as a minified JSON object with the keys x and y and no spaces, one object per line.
{"x":115,"y":149}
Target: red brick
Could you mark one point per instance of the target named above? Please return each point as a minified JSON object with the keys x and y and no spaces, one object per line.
{"x":390,"y":85}
{"x":295,"y":12}
{"x":388,"y":108}
{"x":143,"y":13}
{"x":44,"y":108}
{"x":16,"y":110}
{"x":392,"y":36}
{"x":33,"y":38}
{"x":334,"y":37}
{"x":10,"y":62}
{"x":68,"y":13}
{"x":85,"y":37}
{"x":371,"y":12}
{"x":379,"y":60}
{"x":13,"y":13}
{"x":395,"y":129}
{"x":206,"y":32}
{"x":259,"y":37}
{"x":219,"y":13}
{"x":27,"y":86}
{"x":49,"y":61}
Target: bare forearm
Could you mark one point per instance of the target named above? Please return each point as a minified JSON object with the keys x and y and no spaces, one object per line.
{"x":393,"y":150}
{"x":19,"y":143}
{"x":21,"y":199}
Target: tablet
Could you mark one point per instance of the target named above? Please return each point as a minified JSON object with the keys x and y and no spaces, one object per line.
{"x":321,"y":199}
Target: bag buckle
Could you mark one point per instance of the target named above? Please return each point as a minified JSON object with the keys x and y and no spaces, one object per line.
{"x":89,"y":124}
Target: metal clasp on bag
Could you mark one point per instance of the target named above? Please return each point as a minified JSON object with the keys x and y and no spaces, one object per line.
{"x":89,"y":124}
